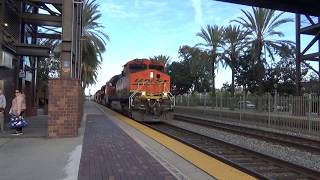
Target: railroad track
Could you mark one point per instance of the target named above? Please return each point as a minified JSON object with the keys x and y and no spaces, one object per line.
{"x":304,"y":144}
{"x":253,"y":163}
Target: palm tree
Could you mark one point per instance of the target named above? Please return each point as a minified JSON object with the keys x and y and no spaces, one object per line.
{"x":262,"y":24}
{"x":162,"y":58}
{"x":90,"y":65}
{"x":93,"y":42}
{"x":89,"y":74}
{"x":235,"y":41}
{"x":213,"y":40}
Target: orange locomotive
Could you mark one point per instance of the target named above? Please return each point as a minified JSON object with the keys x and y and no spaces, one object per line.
{"x":142,"y":90}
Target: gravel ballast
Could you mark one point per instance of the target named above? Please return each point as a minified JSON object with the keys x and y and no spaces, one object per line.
{"x":289,"y":154}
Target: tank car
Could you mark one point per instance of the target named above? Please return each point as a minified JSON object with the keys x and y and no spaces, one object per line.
{"x":141,"y":91}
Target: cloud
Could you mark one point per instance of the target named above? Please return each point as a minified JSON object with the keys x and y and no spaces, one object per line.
{"x":117,"y":11}
{"x":137,"y":9}
{"x":196,"y":4}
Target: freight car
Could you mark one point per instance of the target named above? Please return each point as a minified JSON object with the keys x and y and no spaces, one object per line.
{"x":141,"y":91}
{"x":97,"y":96}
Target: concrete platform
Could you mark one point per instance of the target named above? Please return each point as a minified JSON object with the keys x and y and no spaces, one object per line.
{"x":199,"y":160}
{"x":37,"y":128}
{"x":33,"y":156}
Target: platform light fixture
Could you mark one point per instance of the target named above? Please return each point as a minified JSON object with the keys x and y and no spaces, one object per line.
{"x":143,"y":93}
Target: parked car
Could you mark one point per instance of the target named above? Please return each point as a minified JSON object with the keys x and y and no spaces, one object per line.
{"x":246,"y":105}
{"x":280,"y":108}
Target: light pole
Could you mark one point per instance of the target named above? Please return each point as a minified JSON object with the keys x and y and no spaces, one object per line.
{"x":211,"y":85}
{"x":303,"y":89}
{"x":275,"y":97}
{"x":275,"y":94}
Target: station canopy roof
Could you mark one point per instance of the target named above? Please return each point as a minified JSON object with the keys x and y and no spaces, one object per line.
{"x":308,"y":7}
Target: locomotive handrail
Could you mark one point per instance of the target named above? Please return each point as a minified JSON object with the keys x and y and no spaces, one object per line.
{"x":134,"y":93}
{"x":171,"y":96}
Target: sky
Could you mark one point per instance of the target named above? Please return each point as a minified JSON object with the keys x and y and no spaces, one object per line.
{"x":147,"y":28}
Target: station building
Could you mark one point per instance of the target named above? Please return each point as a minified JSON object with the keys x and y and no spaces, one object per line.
{"x":24,"y":24}
{"x":18,"y":53}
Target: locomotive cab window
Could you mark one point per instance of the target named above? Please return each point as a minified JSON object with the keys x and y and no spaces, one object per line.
{"x":156,"y":67}
{"x":137,"y":67}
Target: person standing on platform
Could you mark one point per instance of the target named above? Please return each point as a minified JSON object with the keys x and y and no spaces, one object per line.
{"x":18,"y":108}
{"x":2,"y":108}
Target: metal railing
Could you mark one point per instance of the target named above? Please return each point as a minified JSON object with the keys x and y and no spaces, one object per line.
{"x":294,"y":113}
{"x":171,"y":96}
{"x":134,"y":94}
{"x":165,"y":89}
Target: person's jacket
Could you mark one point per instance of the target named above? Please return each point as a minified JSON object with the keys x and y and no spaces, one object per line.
{"x":18,"y":104}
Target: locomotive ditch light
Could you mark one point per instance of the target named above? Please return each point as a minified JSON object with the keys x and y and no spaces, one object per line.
{"x":143,"y":93}
{"x":165,"y":94}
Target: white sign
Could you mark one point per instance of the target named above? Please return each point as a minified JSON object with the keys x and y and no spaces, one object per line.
{"x":22,"y":74}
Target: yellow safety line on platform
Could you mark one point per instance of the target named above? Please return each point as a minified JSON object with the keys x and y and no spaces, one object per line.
{"x":208,"y":164}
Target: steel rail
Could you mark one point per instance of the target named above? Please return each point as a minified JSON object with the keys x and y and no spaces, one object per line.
{"x":251,"y":162}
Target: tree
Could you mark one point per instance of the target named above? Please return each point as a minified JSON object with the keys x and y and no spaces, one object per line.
{"x":162,"y":58}
{"x":261,"y":25}
{"x":245,"y":73}
{"x":213,"y":40}
{"x":313,"y":77}
{"x":47,"y":67}
{"x":199,"y":67}
{"x":180,"y":77}
{"x":234,"y":42}
{"x":283,"y":73}
{"x":192,"y":73}
{"x":93,"y":42}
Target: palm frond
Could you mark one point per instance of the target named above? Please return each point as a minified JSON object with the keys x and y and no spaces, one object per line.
{"x":261,"y":25}
{"x":93,"y":42}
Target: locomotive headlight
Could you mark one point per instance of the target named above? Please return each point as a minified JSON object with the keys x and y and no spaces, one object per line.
{"x":143,"y":93}
{"x":151,"y":74}
{"x":165,"y":94}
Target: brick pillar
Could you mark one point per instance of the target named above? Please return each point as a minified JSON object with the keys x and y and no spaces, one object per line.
{"x":63,"y":107}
